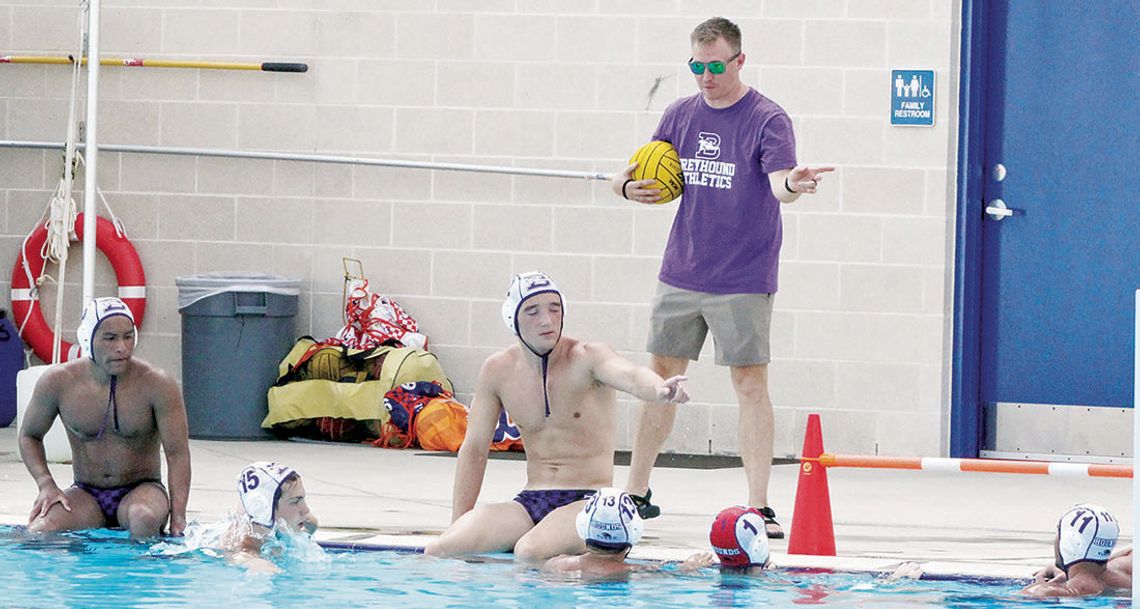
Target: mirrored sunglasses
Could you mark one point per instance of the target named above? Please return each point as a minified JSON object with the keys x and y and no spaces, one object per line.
{"x":716,"y":67}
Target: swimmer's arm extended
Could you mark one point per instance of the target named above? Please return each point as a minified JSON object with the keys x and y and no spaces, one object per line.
{"x":1049,"y":574}
{"x":253,"y":562}
{"x":615,"y":371}
{"x":42,"y":410}
{"x":698,"y":561}
{"x":472,"y":462}
{"x":170,"y":415}
{"x":1082,"y":587}
{"x":563,"y":563}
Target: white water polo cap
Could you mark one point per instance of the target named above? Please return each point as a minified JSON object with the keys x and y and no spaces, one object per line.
{"x":1086,"y":532}
{"x":609,"y":520}
{"x":259,"y":486}
{"x":523,"y":287}
{"x":94,"y":313}
{"x":739,"y":538}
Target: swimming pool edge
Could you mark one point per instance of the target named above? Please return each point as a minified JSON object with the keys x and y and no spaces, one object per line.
{"x":1018,"y":573}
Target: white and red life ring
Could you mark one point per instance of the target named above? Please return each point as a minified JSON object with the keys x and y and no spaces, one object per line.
{"x":26,"y":302}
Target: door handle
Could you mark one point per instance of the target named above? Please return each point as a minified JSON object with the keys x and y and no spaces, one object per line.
{"x":998,"y":211}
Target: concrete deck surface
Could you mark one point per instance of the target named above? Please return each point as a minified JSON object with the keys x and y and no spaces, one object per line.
{"x":997,"y":525}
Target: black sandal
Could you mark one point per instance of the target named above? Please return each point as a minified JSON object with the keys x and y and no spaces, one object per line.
{"x":770,"y":518}
{"x":645,"y":509}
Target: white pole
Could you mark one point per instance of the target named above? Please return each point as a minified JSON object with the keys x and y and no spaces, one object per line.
{"x":317,"y":158}
{"x":90,"y":178}
{"x":1136,"y":446}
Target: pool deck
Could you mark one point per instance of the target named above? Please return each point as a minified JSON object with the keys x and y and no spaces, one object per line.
{"x":996,"y":525}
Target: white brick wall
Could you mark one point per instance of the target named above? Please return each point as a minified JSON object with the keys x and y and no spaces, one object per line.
{"x":860,"y":324}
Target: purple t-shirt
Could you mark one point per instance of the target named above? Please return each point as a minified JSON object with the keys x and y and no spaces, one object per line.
{"x":727,"y":232}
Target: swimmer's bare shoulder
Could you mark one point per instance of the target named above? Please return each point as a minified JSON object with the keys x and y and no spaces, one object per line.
{"x":54,"y":389}
{"x":56,"y":378}
{"x":243,"y":547}
{"x":496,"y":370}
{"x":500,"y":362}
{"x":151,"y":377}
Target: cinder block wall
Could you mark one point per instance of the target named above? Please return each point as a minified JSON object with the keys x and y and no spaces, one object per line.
{"x":861,"y":324}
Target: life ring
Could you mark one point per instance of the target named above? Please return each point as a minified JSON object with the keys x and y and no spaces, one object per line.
{"x":26,"y":302}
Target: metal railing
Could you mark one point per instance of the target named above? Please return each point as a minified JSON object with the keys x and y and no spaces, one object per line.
{"x":316,"y":158}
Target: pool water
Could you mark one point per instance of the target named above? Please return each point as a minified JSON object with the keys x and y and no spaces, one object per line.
{"x":103,"y":568}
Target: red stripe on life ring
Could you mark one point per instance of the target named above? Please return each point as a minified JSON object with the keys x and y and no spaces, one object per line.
{"x":26,"y":302}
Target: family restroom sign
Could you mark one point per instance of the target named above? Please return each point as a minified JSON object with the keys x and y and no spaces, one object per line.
{"x":912,"y":98}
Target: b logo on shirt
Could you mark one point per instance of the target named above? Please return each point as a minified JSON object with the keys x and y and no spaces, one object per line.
{"x":704,"y":169}
{"x":708,"y":146}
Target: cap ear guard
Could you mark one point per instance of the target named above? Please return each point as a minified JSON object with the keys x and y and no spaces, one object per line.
{"x":758,"y":549}
{"x":510,"y":312}
{"x":609,"y":521}
{"x":1086,"y":533}
{"x":259,"y":486}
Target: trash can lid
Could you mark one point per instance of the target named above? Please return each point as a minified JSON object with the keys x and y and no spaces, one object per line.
{"x":192,"y":288}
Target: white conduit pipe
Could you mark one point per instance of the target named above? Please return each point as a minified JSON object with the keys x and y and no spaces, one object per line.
{"x":90,"y":175}
{"x":61,"y":217}
{"x":316,"y":158}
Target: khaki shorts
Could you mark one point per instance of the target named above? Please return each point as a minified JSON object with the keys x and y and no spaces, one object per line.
{"x":740,"y":325}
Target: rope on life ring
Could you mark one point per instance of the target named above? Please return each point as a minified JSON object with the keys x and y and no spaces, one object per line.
{"x":119,"y":251}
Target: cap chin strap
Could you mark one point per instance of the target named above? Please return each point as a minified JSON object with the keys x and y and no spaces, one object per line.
{"x":112,"y":409}
{"x":545,"y":357}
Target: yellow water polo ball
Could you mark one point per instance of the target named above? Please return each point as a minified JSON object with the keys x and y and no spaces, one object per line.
{"x":659,"y":161}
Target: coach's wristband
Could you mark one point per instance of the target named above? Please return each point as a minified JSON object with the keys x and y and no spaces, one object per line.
{"x":625,"y":196}
{"x":788,"y":187}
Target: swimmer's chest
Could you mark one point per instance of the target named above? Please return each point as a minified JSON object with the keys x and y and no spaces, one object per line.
{"x":574,"y":403}
{"x":86,"y":412}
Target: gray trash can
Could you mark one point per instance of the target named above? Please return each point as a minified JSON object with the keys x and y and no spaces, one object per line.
{"x":236,"y":327}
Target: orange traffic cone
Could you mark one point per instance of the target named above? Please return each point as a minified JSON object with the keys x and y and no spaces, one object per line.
{"x":812,"y":531}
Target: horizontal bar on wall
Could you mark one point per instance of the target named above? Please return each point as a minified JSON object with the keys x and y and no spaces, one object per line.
{"x":1073,"y":470}
{"x":316,"y":158}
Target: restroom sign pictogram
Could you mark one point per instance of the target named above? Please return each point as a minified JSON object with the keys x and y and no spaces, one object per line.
{"x":912,"y":98}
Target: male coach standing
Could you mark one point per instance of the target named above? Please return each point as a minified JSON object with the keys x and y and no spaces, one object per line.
{"x":719,"y":269}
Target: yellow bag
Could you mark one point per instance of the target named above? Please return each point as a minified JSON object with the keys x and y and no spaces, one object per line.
{"x":315,"y":399}
{"x":322,"y":381}
{"x":393,"y":366}
{"x":407,"y":365}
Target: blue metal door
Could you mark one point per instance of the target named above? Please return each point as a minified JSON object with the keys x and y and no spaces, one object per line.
{"x":1060,"y":235}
